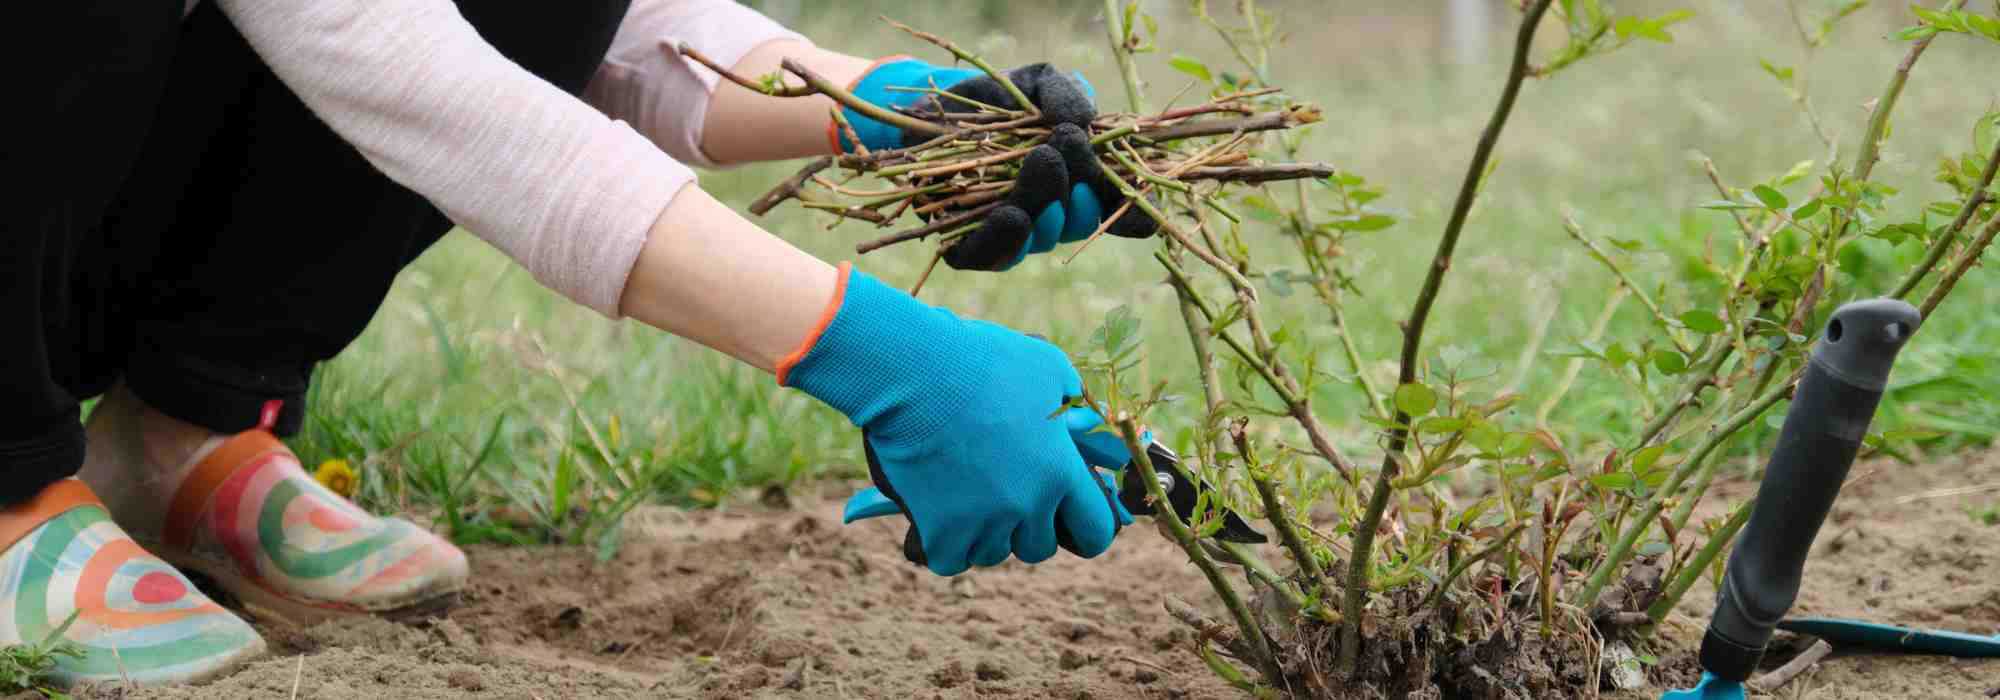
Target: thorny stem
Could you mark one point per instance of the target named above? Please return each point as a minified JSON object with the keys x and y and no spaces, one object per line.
{"x":1708,"y":165}
{"x":1254,"y":640}
{"x":1274,"y":508}
{"x":1943,"y":243}
{"x":871,"y":110}
{"x":790,"y":187}
{"x":1965,"y":261}
{"x":1299,"y":172}
{"x":1622,"y":548}
{"x":1204,"y":355}
{"x":1691,"y":571}
{"x":1361,"y":379}
{"x":1173,"y":231}
{"x":1413,"y":338}
{"x":1690,"y":392}
{"x":1575,"y":231}
{"x":1459,"y":569}
{"x":1575,"y":365}
{"x":1269,"y":121}
{"x":975,"y":60}
{"x":1878,"y":122}
{"x":1128,"y":69}
{"x":1297,"y":405}
{"x":777,"y":89}
{"x":944,"y":224}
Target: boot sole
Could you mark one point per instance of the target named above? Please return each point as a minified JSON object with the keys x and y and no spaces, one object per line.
{"x":263,"y":604}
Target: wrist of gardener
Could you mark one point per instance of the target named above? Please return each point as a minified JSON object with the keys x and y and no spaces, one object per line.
{"x":707,"y":274}
{"x":877,"y":353}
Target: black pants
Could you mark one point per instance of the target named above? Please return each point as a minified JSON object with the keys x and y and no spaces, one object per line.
{"x":184,"y":223}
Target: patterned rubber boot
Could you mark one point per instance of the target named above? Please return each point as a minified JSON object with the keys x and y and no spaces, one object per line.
{"x":133,"y":616}
{"x":249,"y":517}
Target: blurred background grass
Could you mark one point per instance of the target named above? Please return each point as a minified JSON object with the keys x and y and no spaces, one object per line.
{"x":476,"y":387}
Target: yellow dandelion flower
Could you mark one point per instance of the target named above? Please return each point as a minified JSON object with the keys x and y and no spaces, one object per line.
{"x":337,"y":476}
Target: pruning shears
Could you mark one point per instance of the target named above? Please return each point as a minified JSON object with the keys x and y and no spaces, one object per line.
{"x":1099,"y":450}
{"x":1829,"y":415}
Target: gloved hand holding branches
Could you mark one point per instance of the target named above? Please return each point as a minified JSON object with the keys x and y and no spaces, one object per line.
{"x":1001,"y":165}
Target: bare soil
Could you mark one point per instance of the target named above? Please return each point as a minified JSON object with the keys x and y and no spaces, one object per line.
{"x":763,"y":602}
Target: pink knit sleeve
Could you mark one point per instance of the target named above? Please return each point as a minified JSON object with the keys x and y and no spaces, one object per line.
{"x":645,"y":80}
{"x":544,"y":177}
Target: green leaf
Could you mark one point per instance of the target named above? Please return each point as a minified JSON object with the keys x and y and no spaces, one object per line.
{"x":1807,"y":210}
{"x":1947,"y":21}
{"x":1441,"y":425}
{"x":1669,"y":361}
{"x":1415,"y":399}
{"x":1653,"y":549}
{"x":1771,"y":198}
{"x":1645,"y":458}
{"x":1656,"y":28}
{"x":1798,"y":172}
{"x":1363,"y":222}
{"x":1782,"y":73}
{"x":1617,"y":355}
{"x":1701,"y":321}
{"x":1630,"y":245}
{"x":1119,"y":334}
{"x":1192,"y":66}
{"x":1625,"y":27}
{"x":1485,"y":436}
{"x":1921,"y":31}
{"x":1615,"y":481}
{"x":1985,"y":132}
{"x":1983,"y":26}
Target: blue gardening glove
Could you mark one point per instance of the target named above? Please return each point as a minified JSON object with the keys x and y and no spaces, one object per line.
{"x":1098,"y":448}
{"x":1061,"y":195}
{"x":961,"y":424}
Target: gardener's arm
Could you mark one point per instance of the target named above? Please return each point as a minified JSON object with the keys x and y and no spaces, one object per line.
{"x":960,"y":416}
{"x":688,"y":109}
{"x":696,"y":115}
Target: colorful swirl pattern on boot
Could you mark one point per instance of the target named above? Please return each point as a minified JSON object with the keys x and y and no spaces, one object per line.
{"x":282,"y":532}
{"x":136,"y":617}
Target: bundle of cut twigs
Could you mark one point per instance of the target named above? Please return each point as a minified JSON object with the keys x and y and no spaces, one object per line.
{"x":967,"y":168}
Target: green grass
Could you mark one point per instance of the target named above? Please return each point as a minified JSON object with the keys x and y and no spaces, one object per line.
{"x":473,"y":386}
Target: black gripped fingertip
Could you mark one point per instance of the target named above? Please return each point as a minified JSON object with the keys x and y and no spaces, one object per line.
{"x":994,"y":244}
{"x":1060,"y":98}
{"x":1136,"y":223}
{"x":984,"y":88}
{"x":1043,"y":180}
{"x":1074,"y":144}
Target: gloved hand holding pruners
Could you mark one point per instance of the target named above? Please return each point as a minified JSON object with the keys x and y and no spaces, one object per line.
{"x":1061,"y":194}
{"x":964,"y":428}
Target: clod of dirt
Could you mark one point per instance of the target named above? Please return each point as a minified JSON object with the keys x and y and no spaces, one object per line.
{"x":796,"y":680}
{"x":950,"y":675}
{"x":988,"y":671}
{"x":569,"y":618}
{"x":1072,"y":659}
{"x":465,"y":679}
{"x":775,"y":497}
{"x":1075,"y":630}
{"x":1144,"y":675}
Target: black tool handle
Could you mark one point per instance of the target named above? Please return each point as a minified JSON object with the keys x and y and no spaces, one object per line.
{"x":1829,"y":416}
